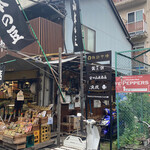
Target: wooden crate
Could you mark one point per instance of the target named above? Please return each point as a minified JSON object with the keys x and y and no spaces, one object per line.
{"x":18,"y":139}
{"x":66,"y":127}
{"x":14,"y":146}
{"x":43,"y":120}
{"x":35,"y":127}
{"x":1,"y":135}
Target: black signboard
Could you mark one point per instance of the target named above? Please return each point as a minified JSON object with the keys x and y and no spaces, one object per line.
{"x":98,"y":96}
{"x":99,"y":87}
{"x":98,"y":76}
{"x":99,"y":80}
{"x":2,"y":72}
{"x":13,"y":28}
{"x":77,"y":32}
{"x":98,"y":68}
{"x":96,"y":57}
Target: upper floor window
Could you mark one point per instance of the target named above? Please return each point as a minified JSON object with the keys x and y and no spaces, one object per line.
{"x":135,"y":16}
{"x":89,"y":38}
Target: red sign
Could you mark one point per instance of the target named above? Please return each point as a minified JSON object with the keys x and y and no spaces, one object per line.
{"x":132,"y":84}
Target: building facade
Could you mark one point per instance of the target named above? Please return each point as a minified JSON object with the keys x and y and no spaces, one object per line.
{"x":51,"y":20}
{"x":136,"y":17}
{"x":103,"y":28}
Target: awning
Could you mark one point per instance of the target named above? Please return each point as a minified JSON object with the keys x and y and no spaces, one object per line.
{"x":20,"y":64}
{"x":63,"y":60}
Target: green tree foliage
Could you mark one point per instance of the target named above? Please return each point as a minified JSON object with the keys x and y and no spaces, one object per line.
{"x":136,"y":107}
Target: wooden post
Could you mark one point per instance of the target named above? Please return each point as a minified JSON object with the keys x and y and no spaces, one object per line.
{"x":82,"y":90}
{"x":58,"y":98}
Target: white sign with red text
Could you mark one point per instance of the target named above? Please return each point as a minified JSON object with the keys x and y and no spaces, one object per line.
{"x":132,"y":84}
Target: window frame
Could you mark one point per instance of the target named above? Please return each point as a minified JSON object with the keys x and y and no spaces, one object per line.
{"x":85,"y":38}
{"x":134,"y":15}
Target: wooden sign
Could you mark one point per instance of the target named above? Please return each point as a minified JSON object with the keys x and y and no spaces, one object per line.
{"x":98,"y":76}
{"x":98,"y":87}
{"x":98,"y":96}
{"x":101,"y":56}
{"x":98,"y":68}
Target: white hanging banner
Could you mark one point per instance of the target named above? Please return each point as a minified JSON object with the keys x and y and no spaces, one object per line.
{"x":20,"y":96}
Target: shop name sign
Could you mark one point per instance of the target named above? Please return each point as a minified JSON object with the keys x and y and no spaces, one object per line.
{"x":13,"y":28}
{"x":98,"y":68}
{"x":132,"y":84}
{"x":99,"y":87}
{"x":101,"y":56}
{"x":100,"y":76}
{"x":99,"y":96}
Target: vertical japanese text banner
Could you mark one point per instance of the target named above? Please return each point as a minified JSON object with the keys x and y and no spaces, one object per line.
{"x":77,"y":31}
{"x":2,"y":72}
{"x":13,"y":28}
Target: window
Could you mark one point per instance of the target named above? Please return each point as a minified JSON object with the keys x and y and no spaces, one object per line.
{"x":135,"y":16}
{"x":139,"y":15}
{"x":89,"y":38}
{"x":131,"y":17}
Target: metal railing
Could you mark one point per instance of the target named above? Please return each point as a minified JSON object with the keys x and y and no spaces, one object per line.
{"x":135,"y":1}
{"x":136,"y":27}
{"x":116,"y":1}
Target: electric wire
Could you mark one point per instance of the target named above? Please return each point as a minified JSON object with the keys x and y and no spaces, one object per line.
{"x":41,"y":50}
{"x":18,"y":52}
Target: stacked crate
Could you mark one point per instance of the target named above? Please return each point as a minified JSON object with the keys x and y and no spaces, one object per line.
{"x":36,"y":132}
{"x":45,"y":132}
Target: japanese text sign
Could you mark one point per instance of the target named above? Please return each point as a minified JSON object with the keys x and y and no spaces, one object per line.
{"x":101,"y":56}
{"x":77,"y":32}
{"x":2,"y":72}
{"x":99,"y":87}
{"x":98,"y":77}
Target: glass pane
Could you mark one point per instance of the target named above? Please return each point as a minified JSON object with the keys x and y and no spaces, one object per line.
{"x":139,"y":15}
{"x":131,"y":17}
{"x":91,"y":39}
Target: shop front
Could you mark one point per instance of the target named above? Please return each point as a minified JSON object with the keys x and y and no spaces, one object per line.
{"x":25,"y":122}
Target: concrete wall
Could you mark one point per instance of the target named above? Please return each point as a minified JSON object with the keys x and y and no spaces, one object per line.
{"x":99,"y":16}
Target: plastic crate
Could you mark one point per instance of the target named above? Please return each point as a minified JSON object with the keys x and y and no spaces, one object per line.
{"x":36,"y":137}
{"x":30,"y":141}
{"x":45,"y":132}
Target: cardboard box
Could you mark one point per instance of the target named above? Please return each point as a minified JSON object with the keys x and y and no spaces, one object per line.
{"x":74,"y":121}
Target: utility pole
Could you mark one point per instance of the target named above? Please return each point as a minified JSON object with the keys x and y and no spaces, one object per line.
{"x":59,"y":98}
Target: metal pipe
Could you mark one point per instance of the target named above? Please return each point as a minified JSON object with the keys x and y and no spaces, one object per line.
{"x":82,"y":90}
{"x":59,"y":97}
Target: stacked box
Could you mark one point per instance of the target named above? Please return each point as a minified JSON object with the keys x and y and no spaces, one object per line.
{"x":30,"y":141}
{"x":74,"y":121}
{"x":37,"y":137}
{"x":45,"y":132}
{"x":66,"y":127}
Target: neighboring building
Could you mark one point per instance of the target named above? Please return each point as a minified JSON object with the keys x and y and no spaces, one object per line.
{"x":136,"y":17}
